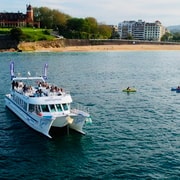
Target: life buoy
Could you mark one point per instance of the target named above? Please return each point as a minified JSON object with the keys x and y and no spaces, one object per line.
{"x":39,"y":114}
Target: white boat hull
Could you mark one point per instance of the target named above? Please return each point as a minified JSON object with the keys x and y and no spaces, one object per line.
{"x":39,"y":125}
{"x":44,"y":124}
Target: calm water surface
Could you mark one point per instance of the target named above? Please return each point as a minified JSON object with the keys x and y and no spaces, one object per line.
{"x":133,"y":136}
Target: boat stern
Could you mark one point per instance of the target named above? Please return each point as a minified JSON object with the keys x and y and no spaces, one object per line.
{"x":79,"y":119}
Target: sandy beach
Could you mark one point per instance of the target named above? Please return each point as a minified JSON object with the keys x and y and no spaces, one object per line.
{"x":94,"y":48}
{"x":117,"y":48}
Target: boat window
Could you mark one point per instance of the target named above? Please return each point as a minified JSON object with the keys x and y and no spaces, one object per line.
{"x":59,"y":108}
{"x":37,"y":109}
{"x":31,"y":107}
{"x":52,"y":107}
{"x":45,"y":108}
{"x":25,"y":106}
{"x":65,"y":107}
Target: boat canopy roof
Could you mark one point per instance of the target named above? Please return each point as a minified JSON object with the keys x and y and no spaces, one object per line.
{"x":28,"y":78}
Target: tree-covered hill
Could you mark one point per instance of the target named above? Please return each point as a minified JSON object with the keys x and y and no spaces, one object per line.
{"x":174,"y":29}
{"x":72,"y":27}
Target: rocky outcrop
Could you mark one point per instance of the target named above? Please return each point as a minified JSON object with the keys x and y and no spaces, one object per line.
{"x":40,"y":45}
{"x":6,"y":43}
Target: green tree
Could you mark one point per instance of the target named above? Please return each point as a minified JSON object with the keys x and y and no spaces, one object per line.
{"x":76,"y":27}
{"x":45,"y":17}
{"x":62,"y":28}
{"x":76,"y":24}
{"x":176,"y":36}
{"x":92,"y":25}
{"x":105,"y":31}
{"x":16,"y":34}
{"x":166,"y":37}
{"x":59,"y":18}
{"x":115,"y":34}
{"x":50,"y":18}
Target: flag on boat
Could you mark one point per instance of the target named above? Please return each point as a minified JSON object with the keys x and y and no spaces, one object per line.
{"x":45,"y":71}
{"x":12,"y":70}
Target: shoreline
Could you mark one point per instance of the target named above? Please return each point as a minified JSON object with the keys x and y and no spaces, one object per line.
{"x":30,"y":47}
{"x":99,"y":48}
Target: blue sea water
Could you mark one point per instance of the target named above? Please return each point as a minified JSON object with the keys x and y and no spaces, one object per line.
{"x":133,"y":136}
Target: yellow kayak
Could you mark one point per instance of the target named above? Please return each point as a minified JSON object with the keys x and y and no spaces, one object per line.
{"x":129,"y":90}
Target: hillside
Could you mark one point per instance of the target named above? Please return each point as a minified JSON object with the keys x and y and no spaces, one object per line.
{"x":175,"y":28}
{"x":31,"y":34}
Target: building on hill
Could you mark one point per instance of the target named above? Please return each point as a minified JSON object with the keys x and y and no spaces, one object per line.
{"x":19,"y":19}
{"x":141,"y":30}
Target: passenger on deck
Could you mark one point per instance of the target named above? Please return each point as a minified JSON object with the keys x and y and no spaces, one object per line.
{"x":16,"y":84}
{"x":59,"y":91}
{"x":52,"y":89}
{"x":13,"y":84}
{"x":24,"y":88}
{"x":39,"y":93}
{"x":39,"y":84}
{"x":21,"y":84}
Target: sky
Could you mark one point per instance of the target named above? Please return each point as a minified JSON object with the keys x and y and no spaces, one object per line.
{"x":110,"y":12}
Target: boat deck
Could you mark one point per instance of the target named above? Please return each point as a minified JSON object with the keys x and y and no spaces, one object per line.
{"x":43,"y":89}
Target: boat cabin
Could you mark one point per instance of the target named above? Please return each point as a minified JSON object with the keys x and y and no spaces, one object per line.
{"x":42,"y":98}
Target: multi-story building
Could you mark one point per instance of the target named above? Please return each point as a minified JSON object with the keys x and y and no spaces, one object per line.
{"x":125,"y":29}
{"x":141,"y":30}
{"x":154,"y":31}
{"x":19,"y":19}
{"x":138,"y":30}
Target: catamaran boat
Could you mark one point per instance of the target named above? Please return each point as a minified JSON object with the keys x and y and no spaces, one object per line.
{"x":43,"y":106}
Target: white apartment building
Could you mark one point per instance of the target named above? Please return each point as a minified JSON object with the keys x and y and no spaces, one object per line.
{"x":141,"y":30}
{"x":154,"y":31}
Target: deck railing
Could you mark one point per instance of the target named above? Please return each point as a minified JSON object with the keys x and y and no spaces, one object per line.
{"x":80,"y":107}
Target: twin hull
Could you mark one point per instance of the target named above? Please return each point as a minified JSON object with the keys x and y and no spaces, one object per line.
{"x":43,"y":124}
